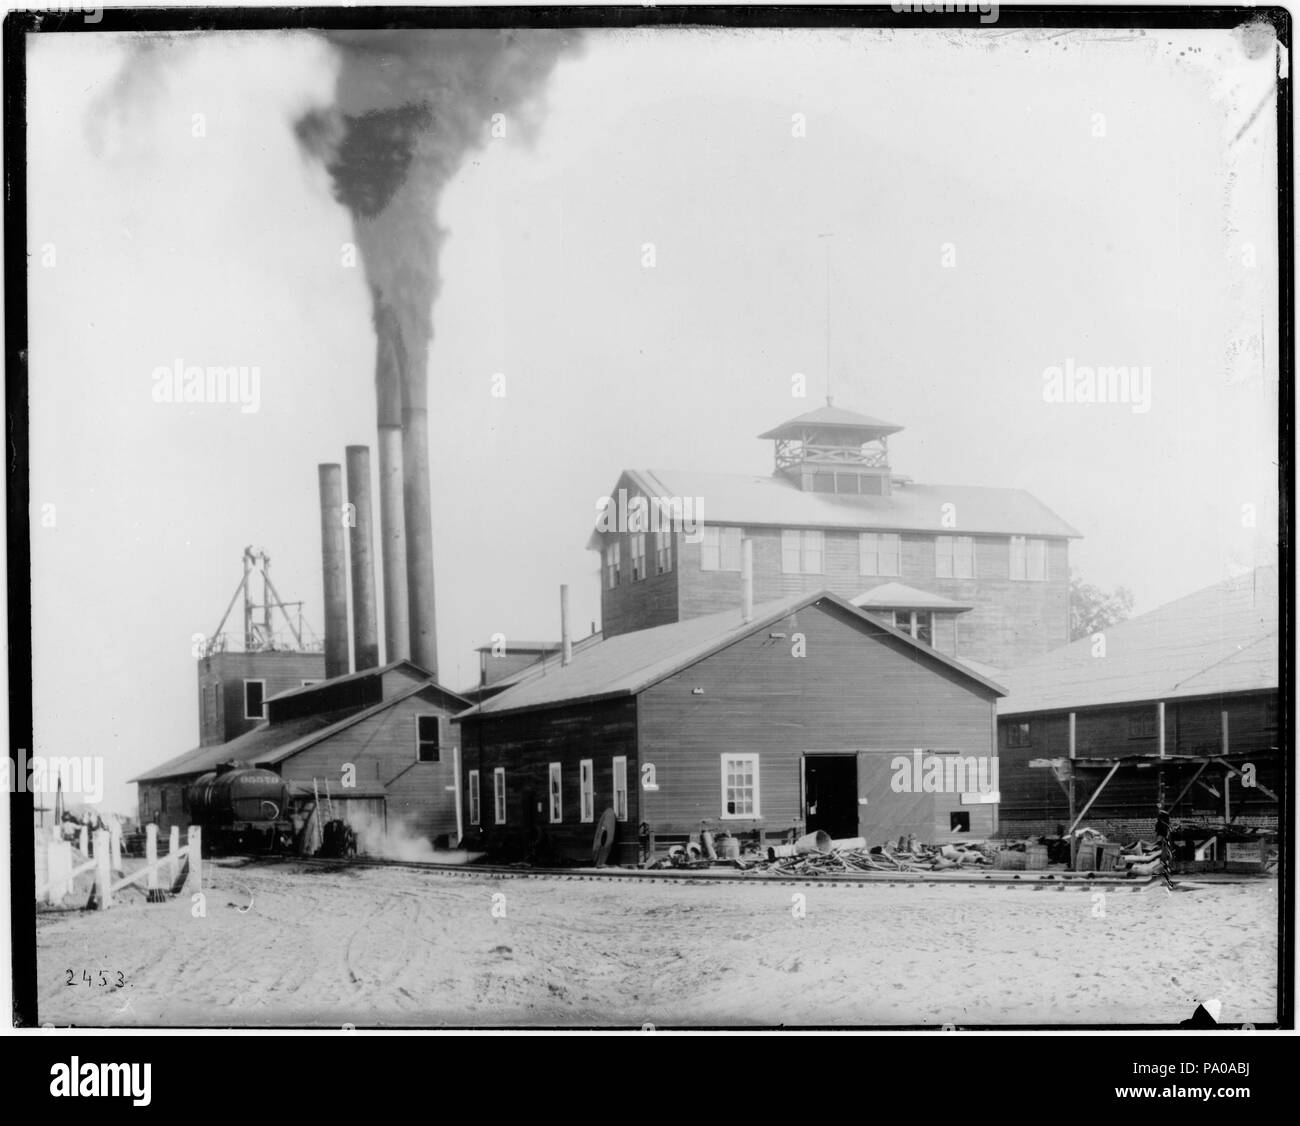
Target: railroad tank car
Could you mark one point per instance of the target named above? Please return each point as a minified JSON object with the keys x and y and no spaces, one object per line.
{"x":242,"y":808}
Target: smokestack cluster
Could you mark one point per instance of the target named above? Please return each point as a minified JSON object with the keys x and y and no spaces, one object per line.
{"x":334,"y":564}
{"x":409,"y":106}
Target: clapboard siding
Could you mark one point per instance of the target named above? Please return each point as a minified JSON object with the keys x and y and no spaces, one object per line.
{"x":1010,"y":621}
{"x":382,"y":750}
{"x":1191,"y":727}
{"x":525,"y":745}
{"x":857,"y":686}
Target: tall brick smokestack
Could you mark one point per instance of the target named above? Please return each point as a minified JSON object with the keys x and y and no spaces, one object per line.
{"x":365,"y":619}
{"x":409,"y":107}
{"x":392,"y":514}
{"x":334,"y":570}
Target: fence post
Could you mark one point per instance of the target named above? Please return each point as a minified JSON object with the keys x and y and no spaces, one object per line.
{"x":173,"y":847}
{"x":60,"y":864}
{"x":85,"y":842}
{"x":103,"y":872}
{"x":151,"y":856}
{"x":195,"y":857}
{"x":115,"y":846}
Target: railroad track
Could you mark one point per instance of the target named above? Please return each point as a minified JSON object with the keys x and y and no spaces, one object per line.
{"x":1060,"y":881}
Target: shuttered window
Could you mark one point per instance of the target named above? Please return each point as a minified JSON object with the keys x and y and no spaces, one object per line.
{"x":1028,"y":559}
{"x":620,"y":787}
{"x":557,"y":814}
{"x":879,"y":553}
{"x":802,"y":552}
{"x":720,"y":549}
{"x":499,"y":794}
{"x":954,"y":557}
{"x":586,"y":791}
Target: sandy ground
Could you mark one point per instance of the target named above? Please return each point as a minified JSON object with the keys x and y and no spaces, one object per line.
{"x":372,"y":947}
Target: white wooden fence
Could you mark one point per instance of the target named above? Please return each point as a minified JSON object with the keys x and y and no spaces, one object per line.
{"x":55,"y":870}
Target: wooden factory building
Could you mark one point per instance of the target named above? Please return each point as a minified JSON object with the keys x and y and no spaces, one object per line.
{"x":379,"y":738}
{"x":795,"y":720}
{"x":1195,"y":677}
{"x":978,"y":573}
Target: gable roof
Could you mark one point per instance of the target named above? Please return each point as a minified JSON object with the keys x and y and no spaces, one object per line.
{"x":1221,"y":639}
{"x":629,"y":663}
{"x":275,"y":742}
{"x":900,"y":596}
{"x":353,"y":677}
{"x":731,"y":498}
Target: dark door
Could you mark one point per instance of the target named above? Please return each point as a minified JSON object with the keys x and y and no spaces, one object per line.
{"x":831,"y":794}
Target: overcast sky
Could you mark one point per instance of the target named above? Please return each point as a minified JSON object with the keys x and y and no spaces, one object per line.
{"x":1103,"y":194}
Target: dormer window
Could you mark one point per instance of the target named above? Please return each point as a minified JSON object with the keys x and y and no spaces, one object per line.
{"x":916,"y":623}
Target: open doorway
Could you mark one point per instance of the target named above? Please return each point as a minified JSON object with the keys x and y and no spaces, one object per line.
{"x":831,"y":794}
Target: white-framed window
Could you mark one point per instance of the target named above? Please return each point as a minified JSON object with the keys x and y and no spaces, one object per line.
{"x":499,"y":794}
{"x":613,"y":558}
{"x":1028,"y":560}
{"x":427,"y":742}
{"x":720,"y":548}
{"x":586,"y":791}
{"x":740,"y":786}
{"x":954,"y":557}
{"x":879,"y":553}
{"x":473,"y":798}
{"x":802,"y":552}
{"x":663,"y":551}
{"x":255,"y":699}
{"x":637,"y":545}
{"x":620,"y":787}
{"x":917,"y":623}
{"x":557,"y":811}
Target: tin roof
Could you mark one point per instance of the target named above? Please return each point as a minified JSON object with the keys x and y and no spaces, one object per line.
{"x":774,"y":501}
{"x":1220,"y":639}
{"x":631,"y":662}
{"x":832,"y":418}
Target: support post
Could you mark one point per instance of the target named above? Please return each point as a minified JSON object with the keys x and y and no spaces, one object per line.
{"x":1073,"y":840}
{"x":115,"y":846}
{"x":103,"y":872}
{"x":151,"y":856}
{"x":194,"y":882}
{"x":173,"y":847}
{"x":84,"y":841}
{"x":455,"y":776}
{"x":1160,"y":770}
{"x":60,"y":871}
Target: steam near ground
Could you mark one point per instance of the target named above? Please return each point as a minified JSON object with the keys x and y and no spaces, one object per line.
{"x":396,"y":842}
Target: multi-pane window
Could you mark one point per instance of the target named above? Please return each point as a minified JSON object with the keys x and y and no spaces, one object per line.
{"x":613,"y":554}
{"x":663,"y":551}
{"x":1028,"y":559}
{"x":918,"y":623}
{"x":620,"y":787}
{"x":499,"y":794}
{"x":586,"y":791}
{"x":740,"y":786}
{"x":254,"y":699}
{"x":473,"y":798}
{"x":954,"y":557}
{"x":637,"y":544}
{"x":879,"y":553}
{"x":426,"y":738}
{"x":1018,"y":735}
{"x":720,"y":549}
{"x":557,"y":814}
{"x":802,"y":552}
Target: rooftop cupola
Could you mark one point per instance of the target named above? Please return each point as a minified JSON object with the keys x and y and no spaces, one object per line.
{"x":831,"y":450}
